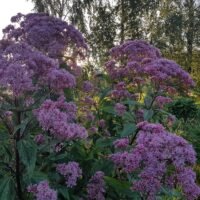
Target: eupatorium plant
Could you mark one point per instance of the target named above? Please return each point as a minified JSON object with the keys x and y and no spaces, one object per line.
{"x":140,"y":63}
{"x":32,"y":85}
{"x":53,"y":37}
{"x":67,"y":136}
{"x":162,"y":158}
{"x":71,"y":171}
{"x":42,"y":191}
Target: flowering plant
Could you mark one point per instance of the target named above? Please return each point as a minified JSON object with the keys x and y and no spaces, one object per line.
{"x":64,"y":136}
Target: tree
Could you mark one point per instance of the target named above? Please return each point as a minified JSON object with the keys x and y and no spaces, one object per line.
{"x":131,"y":14}
{"x":71,"y":10}
{"x":102,"y":33}
{"x":174,"y":29}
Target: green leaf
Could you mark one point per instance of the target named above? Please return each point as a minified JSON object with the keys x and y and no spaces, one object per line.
{"x":7,"y":190}
{"x":129,"y":102}
{"x":104,"y":93}
{"x":55,"y":157}
{"x":37,"y":176}
{"x":3,"y":134}
{"x":108,"y":109}
{"x":27,"y":151}
{"x":128,"y":117}
{"x":64,"y":191}
{"x":103,"y":165}
{"x":171,"y":193}
{"x":69,"y":94}
{"x":128,"y":129}
{"x":104,"y":142}
{"x":148,"y":101}
{"x":121,"y":187}
{"x":7,"y":151}
{"x":148,"y":114}
{"x":22,"y":126}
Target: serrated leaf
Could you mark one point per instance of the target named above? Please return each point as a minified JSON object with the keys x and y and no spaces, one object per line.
{"x":128,"y":129}
{"x":27,"y":152}
{"x":7,"y":190}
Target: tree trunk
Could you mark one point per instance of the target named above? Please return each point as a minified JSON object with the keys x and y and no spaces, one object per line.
{"x":190,"y":4}
{"x":122,"y":37}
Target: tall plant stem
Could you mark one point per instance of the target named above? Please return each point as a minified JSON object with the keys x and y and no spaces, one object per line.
{"x":17,"y":158}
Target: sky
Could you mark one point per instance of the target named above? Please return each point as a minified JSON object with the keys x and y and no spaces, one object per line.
{"x":8,"y":8}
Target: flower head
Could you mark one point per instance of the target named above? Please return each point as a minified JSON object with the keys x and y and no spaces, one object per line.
{"x":96,"y":187}
{"x":71,"y":171}
{"x":156,"y":151}
{"x":42,"y":191}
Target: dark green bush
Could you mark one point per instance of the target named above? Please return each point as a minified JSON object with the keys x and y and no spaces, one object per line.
{"x":183,"y":108}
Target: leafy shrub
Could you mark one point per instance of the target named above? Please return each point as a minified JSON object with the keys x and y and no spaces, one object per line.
{"x":184,"y":108}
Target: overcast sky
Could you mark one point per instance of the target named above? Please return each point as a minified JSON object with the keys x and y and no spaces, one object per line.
{"x":8,"y":8}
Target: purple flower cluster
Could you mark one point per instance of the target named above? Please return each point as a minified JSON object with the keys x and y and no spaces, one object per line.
{"x":24,"y":69}
{"x":39,"y":139}
{"x":135,"y":50}
{"x":42,"y":191}
{"x":120,"y":109}
{"x":88,"y":101}
{"x":46,"y":33}
{"x":120,"y":91}
{"x":127,"y":58}
{"x":96,"y":187}
{"x":58,"y":147}
{"x":139,"y":114}
{"x":138,"y":62}
{"x":155,"y":153}
{"x":170,"y":120}
{"x":186,"y":178}
{"x":58,"y":118}
{"x":167,"y":73}
{"x":161,"y":101}
{"x":30,"y":52}
{"x":71,"y":171}
{"x":102,"y":123}
{"x":61,"y":79}
{"x":121,"y":143}
{"x":87,"y":86}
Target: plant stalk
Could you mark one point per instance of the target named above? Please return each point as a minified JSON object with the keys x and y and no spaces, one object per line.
{"x":17,"y":157}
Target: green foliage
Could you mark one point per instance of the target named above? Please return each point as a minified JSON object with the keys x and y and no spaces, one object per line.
{"x":108,"y":23}
{"x":27,"y":151}
{"x":184,"y":108}
{"x":121,"y":188}
{"x":128,"y":129}
{"x":7,"y":189}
